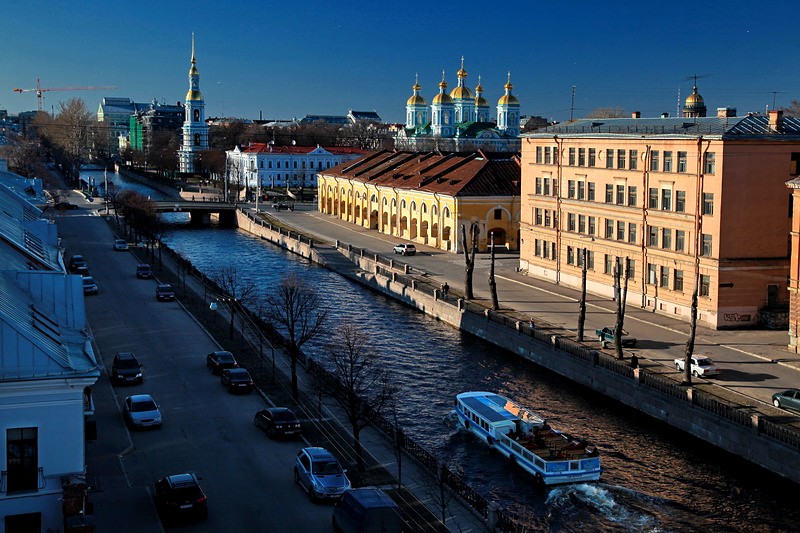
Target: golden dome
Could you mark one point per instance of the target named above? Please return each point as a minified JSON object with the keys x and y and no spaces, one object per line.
{"x":442,"y":98}
{"x":194,"y":95}
{"x":508,"y":99}
{"x":694,"y":98}
{"x":416,"y":100}
{"x":480,"y":101}
{"x":462,"y":93}
{"x":461,"y":72}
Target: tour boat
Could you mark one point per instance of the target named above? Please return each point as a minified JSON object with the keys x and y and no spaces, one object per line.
{"x":552,"y":457}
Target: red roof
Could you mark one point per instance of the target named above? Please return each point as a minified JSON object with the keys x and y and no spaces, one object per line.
{"x":256,"y":148}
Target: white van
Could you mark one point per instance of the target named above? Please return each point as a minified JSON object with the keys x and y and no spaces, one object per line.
{"x":367,"y":510}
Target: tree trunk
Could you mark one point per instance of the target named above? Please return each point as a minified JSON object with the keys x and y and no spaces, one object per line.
{"x":469,"y":258}
{"x":687,"y":362}
{"x":293,"y":358}
{"x":357,"y":449}
{"x":492,"y":282}
{"x":582,"y":304}
{"x":620,"y":313}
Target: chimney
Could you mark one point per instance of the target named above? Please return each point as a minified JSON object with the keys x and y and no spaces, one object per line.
{"x":725,"y":112}
{"x":775,"y":120}
{"x":636,"y":114}
{"x":664,"y":115}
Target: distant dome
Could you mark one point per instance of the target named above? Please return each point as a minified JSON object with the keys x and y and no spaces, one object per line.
{"x":694,"y":106}
{"x":442,"y":98}
{"x":461,"y":93}
{"x":508,"y":98}
{"x":694,"y":98}
{"x":416,"y":99}
{"x":194,"y":95}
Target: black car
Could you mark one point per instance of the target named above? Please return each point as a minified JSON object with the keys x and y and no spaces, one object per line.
{"x":76,"y":261}
{"x":238,"y":380}
{"x":277,"y":422}
{"x":219,"y":361}
{"x":164,"y":292}
{"x":65,"y":206}
{"x":180,"y":495}
{"x":126,"y":369}
{"x":143,"y":271}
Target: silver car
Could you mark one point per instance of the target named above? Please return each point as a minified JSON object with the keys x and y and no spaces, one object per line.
{"x":141,"y":411}
{"x":318,"y":472}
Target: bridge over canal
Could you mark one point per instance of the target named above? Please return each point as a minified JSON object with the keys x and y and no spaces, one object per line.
{"x":200,"y":212}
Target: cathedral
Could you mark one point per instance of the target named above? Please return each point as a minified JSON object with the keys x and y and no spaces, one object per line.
{"x":460,"y":121}
{"x":195,"y":129}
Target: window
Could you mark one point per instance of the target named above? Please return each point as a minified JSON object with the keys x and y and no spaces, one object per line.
{"x":677,"y":280}
{"x":538,"y":189}
{"x":620,"y":230}
{"x":631,"y":268}
{"x":547,"y":217}
{"x":608,"y":264}
{"x":572,"y":156}
{"x":680,"y":201}
{"x":632,"y":232}
{"x":537,"y":248}
{"x":581,"y":157}
{"x":705,"y":285}
{"x":538,"y":216}
{"x":621,"y":158}
{"x":654,"y":160}
{"x":581,"y":190}
{"x":652,"y":236}
{"x":653,"y":195}
{"x":570,"y":255}
{"x":620,"y":194}
{"x":591,"y":226}
{"x":633,"y":155}
{"x":546,"y":189}
{"x":651,"y":274}
{"x":680,"y":236}
{"x":609,"y":193}
{"x":708,"y":203}
{"x":590,"y":191}
{"x":666,"y":199}
{"x":571,"y":222}
{"x":197,"y":115}
{"x":707,"y":249}
{"x":667,"y":161}
{"x":609,"y":158}
{"x":581,"y":223}
{"x":666,"y":239}
{"x":547,"y":155}
{"x":592,"y":157}
{"x":498,"y":213}
{"x":589,"y":260}
{"x":632,"y":196}
{"x":571,"y":189}
{"x":22,"y":456}
{"x":539,"y":155}
{"x":709,"y":165}
{"x":664,"y":281}
{"x":609,"y":229}
{"x":681,"y":161}
{"x":553,"y":250}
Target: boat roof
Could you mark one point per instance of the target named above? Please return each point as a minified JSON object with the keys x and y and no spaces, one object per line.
{"x":496,"y":408}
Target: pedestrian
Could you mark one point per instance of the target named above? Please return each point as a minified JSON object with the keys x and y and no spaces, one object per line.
{"x":445,"y":289}
{"x":634,"y":361}
{"x":533,"y":325}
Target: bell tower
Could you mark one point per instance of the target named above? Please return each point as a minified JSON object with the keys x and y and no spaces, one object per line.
{"x":195,"y":129}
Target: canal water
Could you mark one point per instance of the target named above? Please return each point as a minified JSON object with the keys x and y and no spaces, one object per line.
{"x":655,"y":478}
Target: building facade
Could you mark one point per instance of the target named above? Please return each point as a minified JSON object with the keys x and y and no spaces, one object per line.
{"x":115,"y":113}
{"x":425,"y":198}
{"x":692,"y":203}
{"x":195,"y":129}
{"x":264,"y":165}
{"x":460,"y":121}
{"x":147,"y":123}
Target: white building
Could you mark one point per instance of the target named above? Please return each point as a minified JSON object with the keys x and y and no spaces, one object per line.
{"x":278,"y":167}
{"x":46,"y":364}
{"x":195,"y":129}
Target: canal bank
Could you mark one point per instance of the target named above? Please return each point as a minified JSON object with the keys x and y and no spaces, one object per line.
{"x":706,"y":411}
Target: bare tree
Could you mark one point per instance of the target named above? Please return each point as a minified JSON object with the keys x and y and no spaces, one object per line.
{"x":364,"y":390}
{"x":793,"y":110}
{"x":687,"y":363}
{"x":297,"y":307}
{"x":469,"y":257}
{"x":621,"y":301}
{"x":24,"y":156}
{"x":492,"y":282}
{"x":70,"y":131}
{"x":238,"y":290}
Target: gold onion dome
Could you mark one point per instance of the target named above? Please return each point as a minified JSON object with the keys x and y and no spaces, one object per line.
{"x":415,"y":98}
{"x":461,"y":93}
{"x":508,"y":98}
{"x":442,"y":97}
{"x":479,"y":99}
{"x":694,"y":98}
{"x":194,"y":95}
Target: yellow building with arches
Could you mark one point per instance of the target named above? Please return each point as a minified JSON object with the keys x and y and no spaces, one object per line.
{"x":425,"y":198}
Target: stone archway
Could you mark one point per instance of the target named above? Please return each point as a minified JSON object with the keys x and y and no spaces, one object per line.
{"x":373,"y":220}
{"x":499,"y":236}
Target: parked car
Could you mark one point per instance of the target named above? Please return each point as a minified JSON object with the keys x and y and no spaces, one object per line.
{"x":237,"y":380}
{"x":217,"y":362}
{"x":366,"y":510}
{"x":607,"y":335}
{"x":318,"y":472}
{"x":82,"y":270}
{"x":701,"y":366}
{"x":120,"y":245}
{"x":405,"y":248}
{"x":180,"y":495}
{"x":282,"y":205}
{"x":75,"y":261}
{"x":277,"y":422}
{"x":89,"y":285}
{"x":126,"y":368}
{"x":143,"y":271}
{"x":164,"y":292}
{"x":141,"y":411}
{"x":65,"y":206}
{"x":788,"y":399}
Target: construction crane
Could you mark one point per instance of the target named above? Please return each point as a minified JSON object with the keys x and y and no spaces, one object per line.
{"x":39,"y":90}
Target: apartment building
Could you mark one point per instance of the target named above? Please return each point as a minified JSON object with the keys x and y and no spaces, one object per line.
{"x":691,"y":202}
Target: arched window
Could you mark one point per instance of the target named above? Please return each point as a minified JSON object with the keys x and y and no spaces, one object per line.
{"x":424,"y":209}
{"x":375,"y":199}
{"x":394,"y":202}
{"x":413,"y":205}
{"x":434,"y":211}
{"x":197,"y":115}
{"x":385,"y":201}
{"x":446,"y":212}
{"x":402,"y":204}
{"x":197,"y":139}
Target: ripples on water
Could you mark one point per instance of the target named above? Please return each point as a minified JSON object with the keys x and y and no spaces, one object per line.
{"x":655,"y":479}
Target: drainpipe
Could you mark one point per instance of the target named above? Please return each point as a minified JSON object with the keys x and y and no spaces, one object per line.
{"x":645,"y":207}
{"x":558,"y":209}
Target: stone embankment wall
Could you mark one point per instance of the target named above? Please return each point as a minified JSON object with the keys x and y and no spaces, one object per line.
{"x":741,"y":431}
{"x":289,"y":240}
{"x":167,"y":190}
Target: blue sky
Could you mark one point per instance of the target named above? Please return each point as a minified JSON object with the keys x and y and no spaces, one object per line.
{"x":288,"y":59}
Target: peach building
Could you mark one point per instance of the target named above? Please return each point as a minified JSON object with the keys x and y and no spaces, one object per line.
{"x":692,"y":202}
